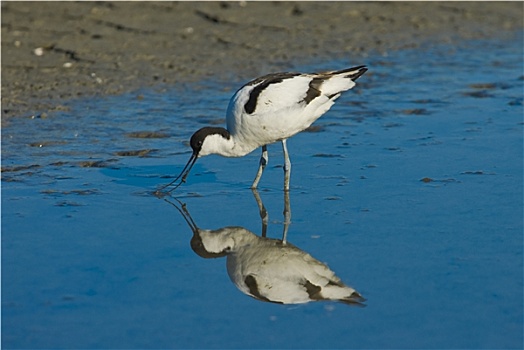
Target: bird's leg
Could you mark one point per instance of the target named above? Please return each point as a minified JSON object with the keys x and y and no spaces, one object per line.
{"x":262,"y":210}
{"x":263,"y":162}
{"x":287,"y":216}
{"x":287,"y":166}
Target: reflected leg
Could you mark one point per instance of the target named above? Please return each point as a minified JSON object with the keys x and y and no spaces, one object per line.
{"x":287,"y":166}
{"x":287,"y":216}
{"x":262,"y":210}
{"x":263,"y":162}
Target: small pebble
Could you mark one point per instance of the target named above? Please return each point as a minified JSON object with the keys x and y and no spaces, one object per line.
{"x":39,"y":51}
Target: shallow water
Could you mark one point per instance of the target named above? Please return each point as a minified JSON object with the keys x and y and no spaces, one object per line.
{"x":410,"y":189}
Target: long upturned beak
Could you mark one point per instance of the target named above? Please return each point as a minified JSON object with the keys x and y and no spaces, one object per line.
{"x":183,"y":174}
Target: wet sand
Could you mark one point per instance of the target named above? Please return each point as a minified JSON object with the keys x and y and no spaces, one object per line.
{"x":53,"y":52}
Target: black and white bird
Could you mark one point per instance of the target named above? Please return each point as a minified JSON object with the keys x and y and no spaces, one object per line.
{"x":269,"y":109}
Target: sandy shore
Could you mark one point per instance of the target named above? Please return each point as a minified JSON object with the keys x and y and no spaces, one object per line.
{"x":53,"y":52}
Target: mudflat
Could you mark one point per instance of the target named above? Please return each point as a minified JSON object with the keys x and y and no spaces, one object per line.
{"x":53,"y":52}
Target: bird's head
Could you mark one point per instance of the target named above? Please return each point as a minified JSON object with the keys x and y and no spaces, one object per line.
{"x":208,"y":140}
{"x":212,"y":243}
{"x":205,"y":141}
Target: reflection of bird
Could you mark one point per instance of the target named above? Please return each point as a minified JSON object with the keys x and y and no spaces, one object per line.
{"x":269,"y":109}
{"x":268,"y":269}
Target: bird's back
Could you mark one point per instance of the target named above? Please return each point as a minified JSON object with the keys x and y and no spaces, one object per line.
{"x":277,"y":106}
{"x":268,"y":270}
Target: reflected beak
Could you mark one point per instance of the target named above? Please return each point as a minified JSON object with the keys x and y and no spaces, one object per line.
{"x":183,"y":174}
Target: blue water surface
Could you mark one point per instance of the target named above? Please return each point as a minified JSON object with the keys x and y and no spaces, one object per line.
{"x":410,"y":189}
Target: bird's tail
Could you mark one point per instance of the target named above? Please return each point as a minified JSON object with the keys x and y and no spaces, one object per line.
{"x":333,"y":83}
{"x":354,"y":299}
{"x":351,"y":73}
{"x":338,"y":291}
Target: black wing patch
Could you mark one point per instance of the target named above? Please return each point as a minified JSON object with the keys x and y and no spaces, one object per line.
{"x":251,"y":283}
{"x":263,"y":83}
{"x":314,"y":89}
{"x":312,"y":290}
